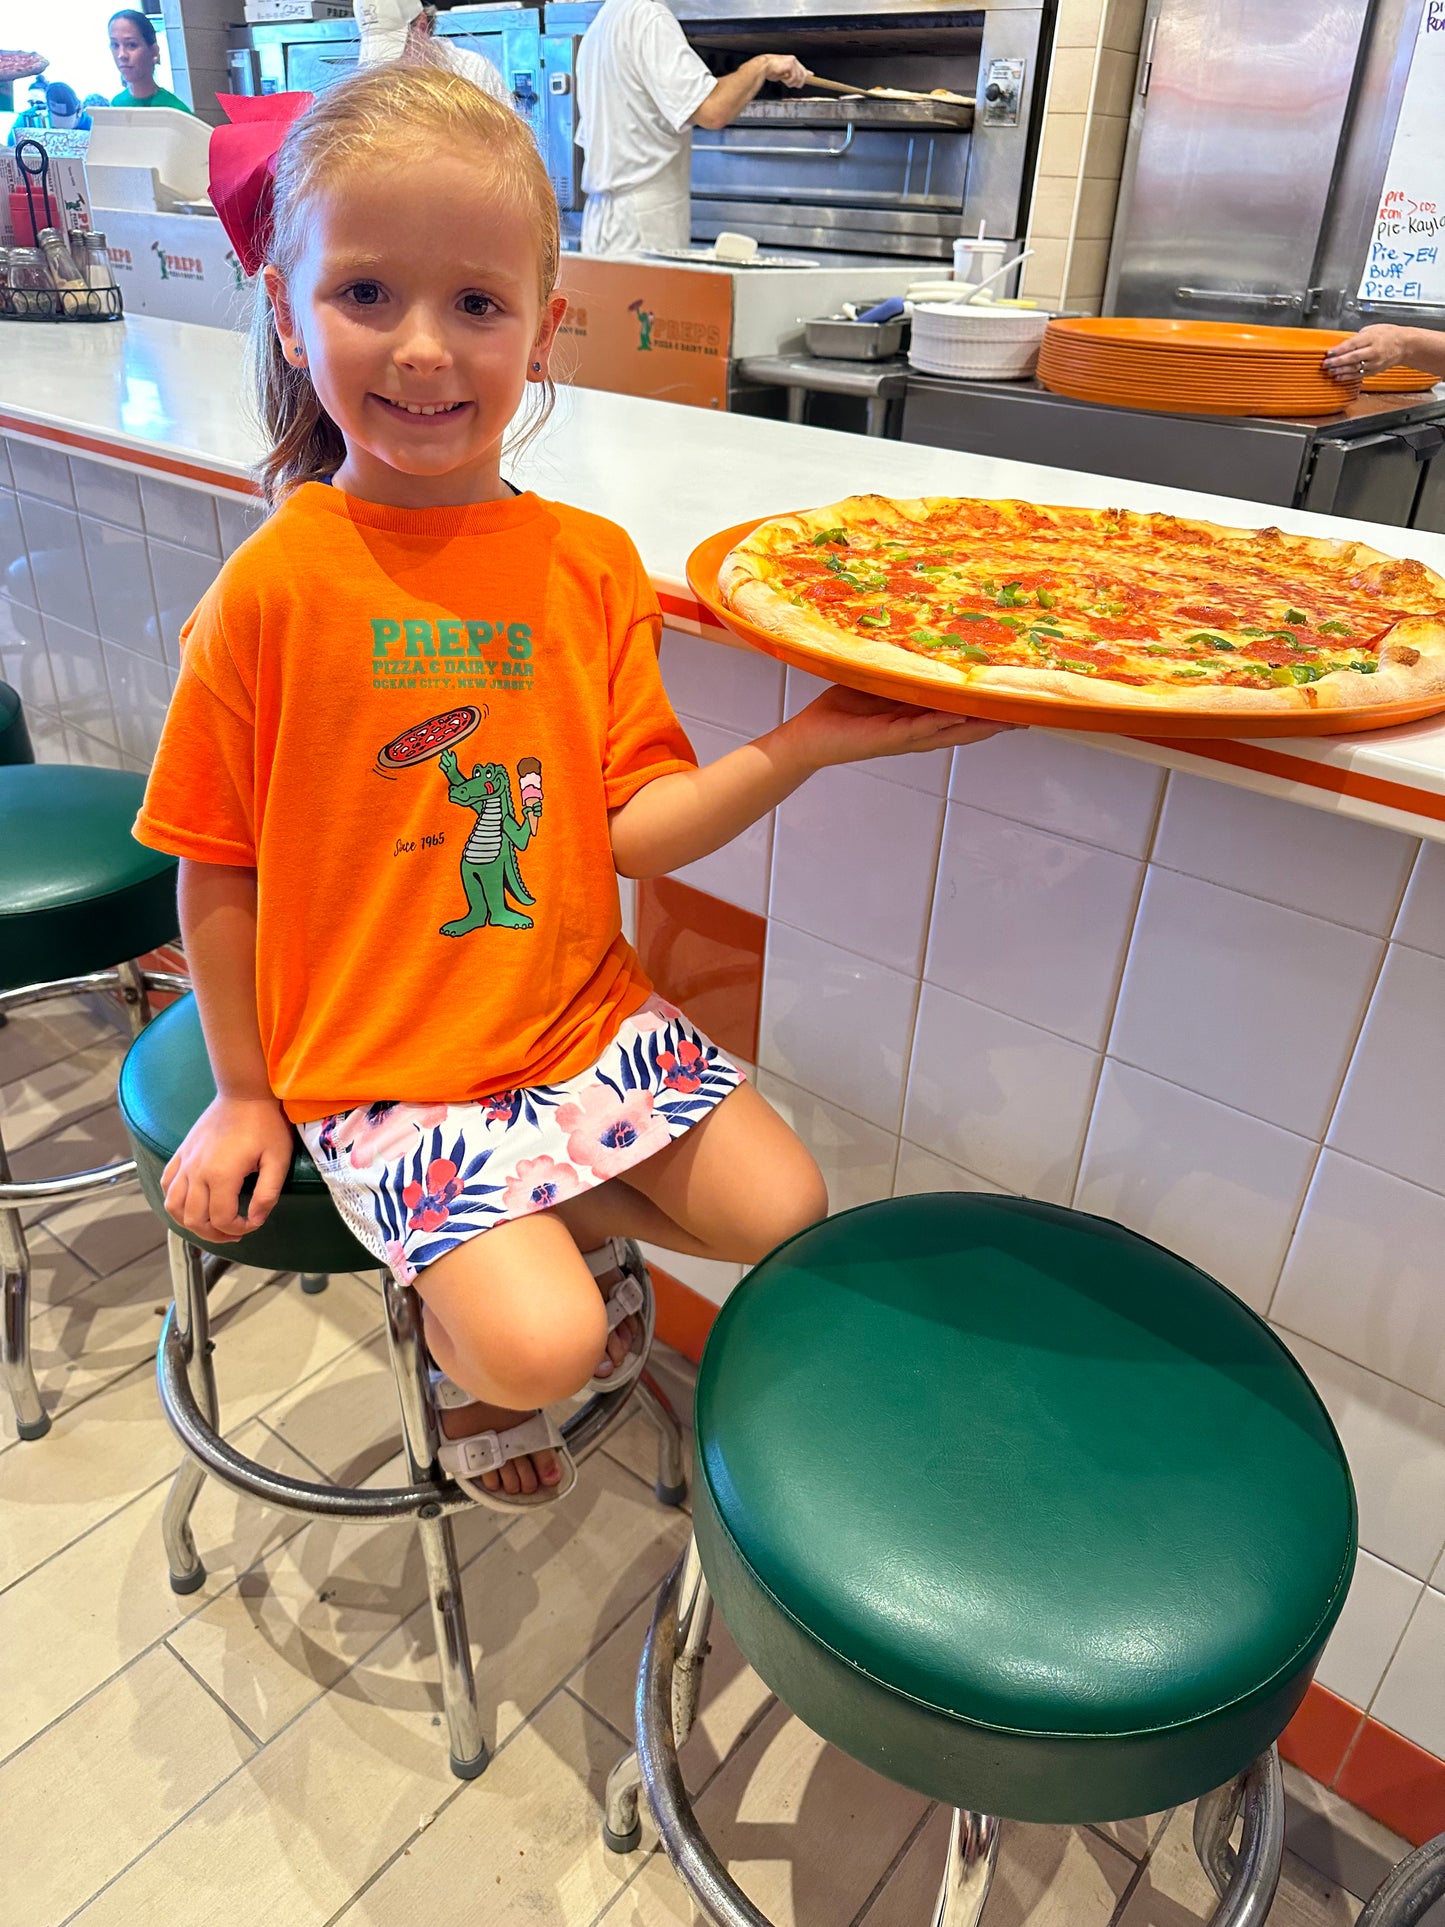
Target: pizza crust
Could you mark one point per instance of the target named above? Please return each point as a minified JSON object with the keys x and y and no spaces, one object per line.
{"x":1412,"y":655}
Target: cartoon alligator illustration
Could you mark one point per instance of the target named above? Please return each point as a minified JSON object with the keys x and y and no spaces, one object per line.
{"x":489,"y":861}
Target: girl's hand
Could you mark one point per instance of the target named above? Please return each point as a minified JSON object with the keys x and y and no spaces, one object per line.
{"x":232,"y":1137}
{"x":1369,"y":352}
{"x":845,"y":726}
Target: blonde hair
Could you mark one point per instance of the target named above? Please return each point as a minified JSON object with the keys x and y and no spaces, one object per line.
{"x":394,"y":112}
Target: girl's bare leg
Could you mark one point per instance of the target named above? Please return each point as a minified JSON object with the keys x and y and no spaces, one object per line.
{"x":515,"y":1316}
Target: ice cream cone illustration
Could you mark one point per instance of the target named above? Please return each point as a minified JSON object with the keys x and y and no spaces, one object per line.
{"x":529,"y":785}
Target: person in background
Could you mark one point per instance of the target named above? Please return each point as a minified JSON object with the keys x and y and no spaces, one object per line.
{"x":1383,"y":346}
{"x":35,"y":113}
{"x":640,"y":92}
{"x":134,"y":50}
{"x":397,"y":29}
{"x":63,"y":105}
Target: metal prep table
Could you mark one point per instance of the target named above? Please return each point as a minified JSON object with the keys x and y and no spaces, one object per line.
{"x":1380,"y":459}
{"x":876,"y":383}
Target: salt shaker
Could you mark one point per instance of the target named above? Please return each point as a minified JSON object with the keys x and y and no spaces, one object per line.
{"x":88,"y":248}
{"x":64,"y":274}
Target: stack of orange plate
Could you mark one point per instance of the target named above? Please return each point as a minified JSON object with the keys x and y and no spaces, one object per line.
{"x":1193,"y":367}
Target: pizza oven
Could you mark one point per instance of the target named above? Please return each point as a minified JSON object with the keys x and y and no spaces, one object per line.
{"x":871,"y":176}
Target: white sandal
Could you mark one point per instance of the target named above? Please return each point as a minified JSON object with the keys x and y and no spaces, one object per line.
{"x":466,"y":1460}
{"x":631,"y":1295}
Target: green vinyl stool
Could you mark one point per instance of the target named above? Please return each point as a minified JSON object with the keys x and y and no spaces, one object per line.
{"x":1020,"y":1510}
{"x":15,"y":745}
{"x":76,"y":893}
{"x":165,"y":1084}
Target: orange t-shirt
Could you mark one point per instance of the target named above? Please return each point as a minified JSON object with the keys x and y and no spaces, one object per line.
{"x":412,"y":723}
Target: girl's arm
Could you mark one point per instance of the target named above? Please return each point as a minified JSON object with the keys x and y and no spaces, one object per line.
{"x":244,"y":1128}
{"x":677,"y":819}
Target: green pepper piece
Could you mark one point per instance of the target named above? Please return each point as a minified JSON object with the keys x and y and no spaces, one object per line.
{"x":1333,"y":628}
{"x":825,"y":536}
{"x":1209,"y":640}
{"x":1297,"y":616}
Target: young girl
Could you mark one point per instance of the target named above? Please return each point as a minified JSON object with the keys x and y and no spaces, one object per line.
{"x":397,"y":945}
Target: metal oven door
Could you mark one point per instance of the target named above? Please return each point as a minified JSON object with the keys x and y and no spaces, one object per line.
{"x":1385,"y":477}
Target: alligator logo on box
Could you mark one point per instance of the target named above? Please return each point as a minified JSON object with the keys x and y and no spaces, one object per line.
{"x":178,"y":267}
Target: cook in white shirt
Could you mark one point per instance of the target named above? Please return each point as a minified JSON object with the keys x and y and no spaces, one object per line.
{"x":389,"y":27}
{"x":640,"y":92}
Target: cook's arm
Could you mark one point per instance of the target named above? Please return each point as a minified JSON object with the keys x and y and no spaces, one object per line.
{"x":733,"y":92}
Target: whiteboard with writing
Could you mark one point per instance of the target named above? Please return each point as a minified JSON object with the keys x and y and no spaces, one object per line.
{"x":1406,"y":261}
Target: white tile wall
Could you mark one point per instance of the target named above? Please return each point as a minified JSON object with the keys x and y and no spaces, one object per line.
{"x":183,"y":515}
{"x":920,"y":1170}
{"x":1422,"y":915}
{"x":1192,"y":1105}
{"x":1370,"y":1628}
{"x":997,"y":1096}
{"x":1363,"y":1276}
{"x":57,"y":561}
{"x":1242,"y":1000}
{"x":854,"y":861}
{"x":1031,"y":924}
{"x":111,"y":494}
{"x":749,"y":698}
{"x":1330,"y":866}
{"x":1412,"y":1698}
{"x":41,"y":471}
{"x":1392,"y":1109}
{"x":836,"y":1023}
{"x":1057,"y":783}
{"x":1219,"y":1187}
{"x":120,"y":582}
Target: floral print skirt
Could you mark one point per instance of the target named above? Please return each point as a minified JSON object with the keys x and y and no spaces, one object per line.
{"x":413,"y":1181}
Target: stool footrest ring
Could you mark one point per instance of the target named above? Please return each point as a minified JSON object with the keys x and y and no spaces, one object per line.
{"x":583,"y":1433}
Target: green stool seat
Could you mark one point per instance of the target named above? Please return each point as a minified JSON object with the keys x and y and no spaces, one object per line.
{"x":77,"y":892}
{"x":165,"y":1084}
{"x":15,"y":745}
{"x":1017,"y":1507}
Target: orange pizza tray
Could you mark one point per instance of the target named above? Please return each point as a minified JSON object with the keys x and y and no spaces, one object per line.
{"x":1048,"y":712}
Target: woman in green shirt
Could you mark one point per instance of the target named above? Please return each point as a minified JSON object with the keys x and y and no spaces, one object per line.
{"x":133,"y":49}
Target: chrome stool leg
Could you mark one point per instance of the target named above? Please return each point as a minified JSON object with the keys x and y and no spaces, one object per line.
{"x":32,"y":1421}
{"x":134,"y":986}
{"x":1409,"y":1891}
{"x":671,"y":1484}
{"x":135,"y":995}
{"x":622,"y":1827}
{"x":193,"y":1324}
{"x":968,"y":1872}
{"x":469,"y":1754}
{"x":1246,"y":1881}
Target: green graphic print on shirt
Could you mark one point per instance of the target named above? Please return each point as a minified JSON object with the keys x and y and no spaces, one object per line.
{"x":489,"y":860}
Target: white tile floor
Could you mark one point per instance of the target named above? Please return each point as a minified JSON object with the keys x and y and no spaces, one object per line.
{"x":270,"y":1750}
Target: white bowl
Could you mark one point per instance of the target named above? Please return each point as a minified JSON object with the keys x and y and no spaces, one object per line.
{"x":1000,"y":344}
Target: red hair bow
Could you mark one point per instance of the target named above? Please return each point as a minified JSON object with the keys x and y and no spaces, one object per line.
{"x":243,"y":167}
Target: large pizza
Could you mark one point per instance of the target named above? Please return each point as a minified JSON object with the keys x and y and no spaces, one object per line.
{"x":1088,"y":606}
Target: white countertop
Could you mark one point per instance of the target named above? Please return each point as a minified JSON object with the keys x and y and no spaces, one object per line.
{"x":171,"y":395}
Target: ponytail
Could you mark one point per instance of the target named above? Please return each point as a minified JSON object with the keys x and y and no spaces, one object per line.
{"x":305,"y":444}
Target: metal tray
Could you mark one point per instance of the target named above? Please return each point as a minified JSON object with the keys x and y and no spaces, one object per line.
{"x":854,"y":340}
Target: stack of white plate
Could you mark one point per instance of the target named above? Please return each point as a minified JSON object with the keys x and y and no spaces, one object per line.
{"x":976,"y":343}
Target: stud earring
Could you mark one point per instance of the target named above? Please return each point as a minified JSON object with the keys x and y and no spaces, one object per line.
{"x":536,"y":367}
